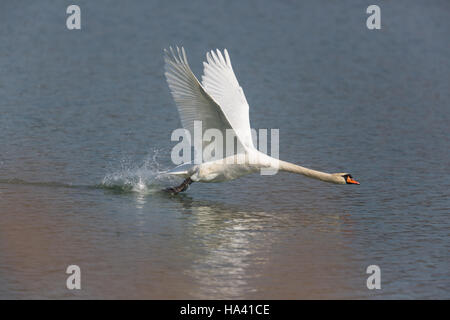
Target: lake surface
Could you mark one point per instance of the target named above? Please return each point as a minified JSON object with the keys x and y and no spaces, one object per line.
{"x":86,"y":118}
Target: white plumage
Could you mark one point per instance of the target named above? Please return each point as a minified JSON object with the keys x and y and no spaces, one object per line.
{"x":221,"y":83}
{"x":194,"y":102}
{"x":219,"y":102}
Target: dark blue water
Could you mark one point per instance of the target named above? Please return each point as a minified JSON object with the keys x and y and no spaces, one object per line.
{"x":86,"y":118}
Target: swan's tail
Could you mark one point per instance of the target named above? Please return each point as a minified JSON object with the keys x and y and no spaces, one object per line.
{"x":184,"y":170}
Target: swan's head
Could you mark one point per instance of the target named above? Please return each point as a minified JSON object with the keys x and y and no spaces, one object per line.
{"x":348,"y":179}
{"x":344,"y":178}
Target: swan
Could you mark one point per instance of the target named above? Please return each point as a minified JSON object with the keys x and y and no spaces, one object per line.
{"x":219,"y":102}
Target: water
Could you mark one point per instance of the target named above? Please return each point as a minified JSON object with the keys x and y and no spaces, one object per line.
{"x":86,"y":118}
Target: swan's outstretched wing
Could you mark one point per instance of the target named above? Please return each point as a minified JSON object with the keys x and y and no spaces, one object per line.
{"x":192,"y":101}
{"x":220,"y":82}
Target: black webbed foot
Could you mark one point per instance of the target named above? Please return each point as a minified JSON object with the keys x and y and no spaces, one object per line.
{"x":182,"y":187}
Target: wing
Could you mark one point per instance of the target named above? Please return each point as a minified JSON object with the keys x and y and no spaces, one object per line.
{"x":193,"y":102}
{"x":220,"y":82}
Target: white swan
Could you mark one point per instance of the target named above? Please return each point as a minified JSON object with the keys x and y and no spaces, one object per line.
{"x":219,"y":102}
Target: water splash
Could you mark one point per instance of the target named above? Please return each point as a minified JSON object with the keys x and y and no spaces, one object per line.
{"x":144,"y":177}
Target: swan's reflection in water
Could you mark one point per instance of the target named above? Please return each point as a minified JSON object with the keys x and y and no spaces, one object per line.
{"x":229,"y":240}
{"x":232,"y":251}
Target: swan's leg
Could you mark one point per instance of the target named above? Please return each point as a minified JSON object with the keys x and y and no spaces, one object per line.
{"x":182,"y":187}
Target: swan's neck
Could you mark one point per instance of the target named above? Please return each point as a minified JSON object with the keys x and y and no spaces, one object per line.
{"x":327,"y":177}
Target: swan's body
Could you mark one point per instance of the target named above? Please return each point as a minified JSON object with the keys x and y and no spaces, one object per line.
{"x":219,"y":102}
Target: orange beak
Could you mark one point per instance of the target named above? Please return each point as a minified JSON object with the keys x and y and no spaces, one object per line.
{"x":350,"y":180}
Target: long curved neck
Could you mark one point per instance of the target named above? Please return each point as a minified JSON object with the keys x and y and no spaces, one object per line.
{"x":290,"y":167}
